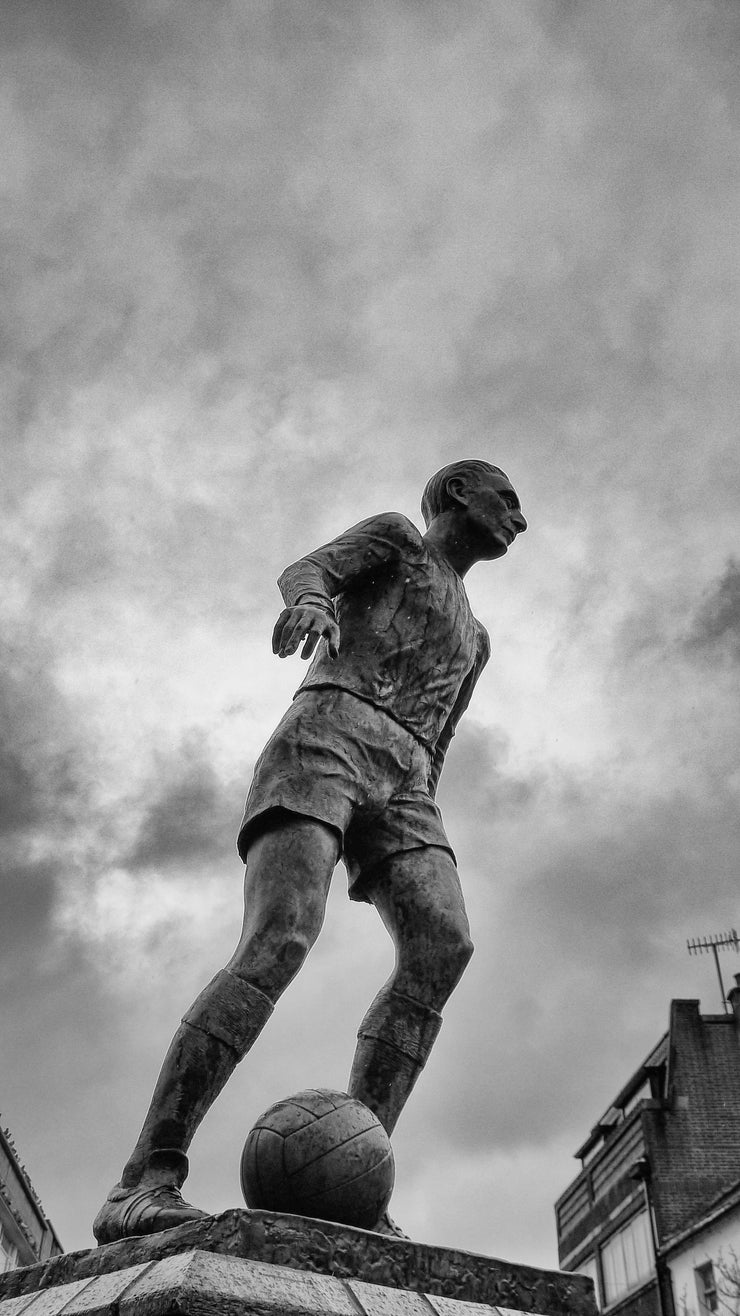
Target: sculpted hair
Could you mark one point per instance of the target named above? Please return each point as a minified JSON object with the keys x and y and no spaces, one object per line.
{"x":435,"y":498}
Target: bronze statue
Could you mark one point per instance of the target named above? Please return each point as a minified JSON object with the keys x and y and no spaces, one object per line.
{"x":350,"y":772}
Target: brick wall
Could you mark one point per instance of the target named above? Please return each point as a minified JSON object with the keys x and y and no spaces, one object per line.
{"x":694,"y":1143}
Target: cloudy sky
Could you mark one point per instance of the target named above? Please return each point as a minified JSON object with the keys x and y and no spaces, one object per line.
{"x":267,"y":265}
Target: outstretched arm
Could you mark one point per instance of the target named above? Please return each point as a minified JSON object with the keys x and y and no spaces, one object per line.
{"x":305,"y":621}
{"x":309,"y":585}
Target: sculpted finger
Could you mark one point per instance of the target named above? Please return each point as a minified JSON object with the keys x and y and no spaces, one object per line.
{"x":292,"y":635}
{"x":277,"y":633}
{"x":332,"y":639}
{"x":312,"y":640}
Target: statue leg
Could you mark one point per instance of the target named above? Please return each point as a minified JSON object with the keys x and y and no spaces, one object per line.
{"x":419,"y":899}
{"x":287,"y":878}
{"x":214,"y":1035}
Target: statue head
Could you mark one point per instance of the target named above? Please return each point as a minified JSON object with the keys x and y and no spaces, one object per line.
{"x":475,"y":504}
{"x":437,"y":499}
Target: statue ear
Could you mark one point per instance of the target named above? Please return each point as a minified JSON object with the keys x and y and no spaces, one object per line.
{"x":457,"y":489}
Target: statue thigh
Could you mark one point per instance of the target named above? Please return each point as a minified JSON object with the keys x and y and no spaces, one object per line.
{"x":419,"y":898}
{"x":286,"y":884}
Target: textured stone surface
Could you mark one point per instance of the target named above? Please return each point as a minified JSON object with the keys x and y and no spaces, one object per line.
{"x":14,"y":1306}
{"x":201,"y":1282}
{"x":46,"y":1303}
{"x":453,"y":1307}
{"x":376,"y":1300}
{"x":101,"y":1296}
{"x":314,"y":1248}
{"x":195,"y":1283}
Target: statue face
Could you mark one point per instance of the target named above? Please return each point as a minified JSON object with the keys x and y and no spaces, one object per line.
{"x":494,"y":515}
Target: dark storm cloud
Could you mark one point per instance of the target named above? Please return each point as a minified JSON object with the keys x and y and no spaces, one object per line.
{"x":606,"y":914}
{"x":29,"y":897}
{"x":111,"y":271}
{"x":62,"y":1029}
{"x":328,"y":255}
{"x":42,"y":789}
{"x":87,"y":30}
{"x":189,"y":814}
{"x":612,"y":894}
{"x":475,"y":764}
{"x":716,"y":627}
{"x":41,"y":772}
{"x":682,"y":619}
{"x":100,"y":558}
{"x":583,"y":883}
{"x":480,"y":770}
{"x":19,"y":803}
{"x":80,"y":555}
{"x":42,"y":779}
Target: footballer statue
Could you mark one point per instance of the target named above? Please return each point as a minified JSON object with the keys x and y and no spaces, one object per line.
{"x":351,"y":772}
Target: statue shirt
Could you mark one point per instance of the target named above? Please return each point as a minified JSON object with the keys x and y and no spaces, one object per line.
{"x":410,"y":644}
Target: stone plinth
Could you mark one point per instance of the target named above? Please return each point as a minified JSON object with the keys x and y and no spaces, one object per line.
{"x":256,"y":1263}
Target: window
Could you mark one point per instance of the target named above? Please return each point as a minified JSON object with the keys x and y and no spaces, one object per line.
{"x":640,"y":1095}
{"x":622,"y":1150}
{"x":706,"y":1287}
{"x":627,"y":1258}
{"x":590,"y":1268}
{"x":576,"y":1205}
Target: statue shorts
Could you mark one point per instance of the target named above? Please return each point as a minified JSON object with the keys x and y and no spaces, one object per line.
{"x":339,"y":759}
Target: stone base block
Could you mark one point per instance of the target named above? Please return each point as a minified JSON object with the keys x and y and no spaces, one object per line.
{"x":256,"y":1263}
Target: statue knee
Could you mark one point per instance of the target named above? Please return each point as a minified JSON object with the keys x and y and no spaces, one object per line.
{"x":458,"y":951}
{"x":448,"y":956}
{"x":271,"y":957}
{"x":291,"y":951}
{"x":430,"y":967}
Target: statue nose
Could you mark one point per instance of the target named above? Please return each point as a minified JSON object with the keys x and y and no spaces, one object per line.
{"x":520,"y":521}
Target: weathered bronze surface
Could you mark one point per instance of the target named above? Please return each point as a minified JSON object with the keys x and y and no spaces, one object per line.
{"x":319,"y":1153}
{"x":350,"y":772}
{"x":321,"y":1248}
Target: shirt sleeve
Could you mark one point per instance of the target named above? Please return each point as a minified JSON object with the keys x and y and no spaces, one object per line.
{"x":464,"y":695}
{"x":326,"y":572}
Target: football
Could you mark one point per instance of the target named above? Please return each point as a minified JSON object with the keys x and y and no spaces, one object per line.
{"x":321,"y":1154}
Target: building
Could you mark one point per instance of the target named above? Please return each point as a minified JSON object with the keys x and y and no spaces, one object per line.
{"x":26,"y":1236}
{"x":704,"y":1263}
{"x":654,"y":1214}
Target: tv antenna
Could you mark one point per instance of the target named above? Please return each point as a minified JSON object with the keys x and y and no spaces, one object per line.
{"x":721,"y":941}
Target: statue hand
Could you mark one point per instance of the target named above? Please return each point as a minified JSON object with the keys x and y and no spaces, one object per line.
{"x":305,"y":621}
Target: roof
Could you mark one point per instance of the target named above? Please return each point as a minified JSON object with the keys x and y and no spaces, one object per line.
{"x":720,"y":1206}
{"x":35,"y":1225}
{"x":650,"y":1065}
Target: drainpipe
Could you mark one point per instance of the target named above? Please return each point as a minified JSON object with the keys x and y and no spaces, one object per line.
{"x":641,"y":1173}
